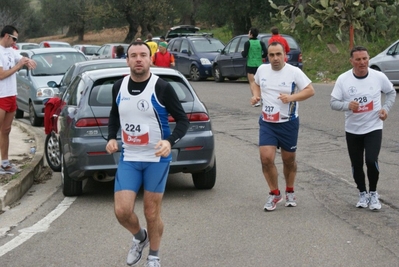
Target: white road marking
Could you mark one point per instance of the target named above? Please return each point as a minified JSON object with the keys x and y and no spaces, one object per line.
{"x":41,"y":226}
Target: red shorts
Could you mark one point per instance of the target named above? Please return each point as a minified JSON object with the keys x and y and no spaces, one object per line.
{"x":9,"y":103}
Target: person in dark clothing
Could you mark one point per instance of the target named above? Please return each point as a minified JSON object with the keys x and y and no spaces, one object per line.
{"x":120,"y":52}
{"x":255,"y":51}
{"x":140,"y":107}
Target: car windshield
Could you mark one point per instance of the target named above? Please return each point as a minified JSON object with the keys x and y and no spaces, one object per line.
{"x":90,"y":50}
{"x":208,"y":45}
{"x":50,"y":64}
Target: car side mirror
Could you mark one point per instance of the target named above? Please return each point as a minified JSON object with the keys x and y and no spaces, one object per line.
{"x":184,"y":51}
{"x":52,"y":84}
{"x":23,"y":72}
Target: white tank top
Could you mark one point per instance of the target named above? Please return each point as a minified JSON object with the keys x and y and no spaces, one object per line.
{"x":140,"y":127}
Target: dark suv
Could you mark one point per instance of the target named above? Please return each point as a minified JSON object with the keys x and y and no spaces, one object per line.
{"x":194,"y":55}
{"x":230,"y":63}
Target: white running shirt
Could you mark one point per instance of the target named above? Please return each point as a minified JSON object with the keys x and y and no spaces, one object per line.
{"x":288,"y":80}
{"x":367,"y":92}
{"x":8,"y":58}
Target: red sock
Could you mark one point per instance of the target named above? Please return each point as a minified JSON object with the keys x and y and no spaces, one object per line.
{"x":275,"y":192}
{"x":289,"y":189}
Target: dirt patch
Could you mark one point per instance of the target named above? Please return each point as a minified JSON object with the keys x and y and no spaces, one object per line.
{"x":114,"y":35}
{"x":45,"y":172}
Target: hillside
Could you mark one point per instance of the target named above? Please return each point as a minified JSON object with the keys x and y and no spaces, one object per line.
{"x":113,"y":35}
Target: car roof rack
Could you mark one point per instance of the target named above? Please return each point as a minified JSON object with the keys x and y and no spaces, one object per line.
{"x":204,"y":34}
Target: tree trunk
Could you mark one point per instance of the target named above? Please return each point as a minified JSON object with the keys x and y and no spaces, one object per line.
{"x":351,"y":36}
{"x":241,"y":25}
{"x":133,"y":25}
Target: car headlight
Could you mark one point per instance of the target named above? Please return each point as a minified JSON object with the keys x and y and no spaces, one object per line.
{"x":47,"y":92}
{"x":205,"y":61}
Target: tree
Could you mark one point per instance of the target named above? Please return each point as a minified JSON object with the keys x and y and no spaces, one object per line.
{"x":137,"y":13}
{"x":365,"y":16}
{"x":74,"y":14}
{"x":14,"y":12}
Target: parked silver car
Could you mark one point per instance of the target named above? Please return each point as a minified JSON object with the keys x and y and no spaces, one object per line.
{"x":26,"y":46}
{"x":53,"y":44}
{"x":88,"y":50}
{"x":32,"y":87}
{"x":108,"y":51}
{"x":388,"y":62}
{"x":83,"y":131}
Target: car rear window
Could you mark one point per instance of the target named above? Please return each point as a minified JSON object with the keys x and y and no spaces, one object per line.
{"x":181,"y":88}
{"x":208,"y":45}
{"x":29,"y":46}
{"x":101,"y":94}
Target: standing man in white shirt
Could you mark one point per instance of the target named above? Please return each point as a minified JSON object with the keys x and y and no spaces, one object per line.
{"x":358,"y":93}
{"x":10,"y":62}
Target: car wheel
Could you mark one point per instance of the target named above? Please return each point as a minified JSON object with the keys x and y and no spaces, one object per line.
{"x":217,"y":74}
{"x":70,"y":187}
{"x":52,"y":151}
{"x":205,"y":180}
{"x":34,"y":120}
{"x":194,"y":73}
{"x":19,"y":114}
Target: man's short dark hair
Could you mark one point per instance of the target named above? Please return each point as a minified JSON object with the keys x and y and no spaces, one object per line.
{"x":357,"y":49}
{"x":274,"y":30}
{"x":254,"y":32}
{"x":149,"y":36}
{"x":275,"y":44}
{"x":137,"y":43}
{"x":9,"y":29}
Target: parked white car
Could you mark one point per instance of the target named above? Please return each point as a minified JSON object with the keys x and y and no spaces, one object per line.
{"x":388,"y":62}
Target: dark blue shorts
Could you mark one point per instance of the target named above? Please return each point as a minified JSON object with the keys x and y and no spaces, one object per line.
{"x":284,"y":135}
{"x":131,"y":175}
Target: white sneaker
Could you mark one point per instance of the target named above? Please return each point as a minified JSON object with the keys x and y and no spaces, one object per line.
{"x":364,"y":199}
{"x":374,"y":201}
{"x":135,"y":252}
{"x":272,"y":201}
{"x":290,"y":199}
{"x":153,"y":261}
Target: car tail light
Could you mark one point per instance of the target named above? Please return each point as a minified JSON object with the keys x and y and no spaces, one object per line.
{"x":192,"y":117}
{"x":300,"y":58}
{"x":97,"y":153}
{"x":92,"y":122}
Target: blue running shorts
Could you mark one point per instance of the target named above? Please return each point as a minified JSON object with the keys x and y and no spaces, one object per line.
{"x":284,"y":134}
{"x":131,"y":175}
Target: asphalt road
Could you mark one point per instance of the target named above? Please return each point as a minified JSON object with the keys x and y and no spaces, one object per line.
{"x":226,"y":226}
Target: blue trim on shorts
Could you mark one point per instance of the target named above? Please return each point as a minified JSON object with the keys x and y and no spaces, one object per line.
{"x":284,"y":134}
{"x":131,"y":175}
